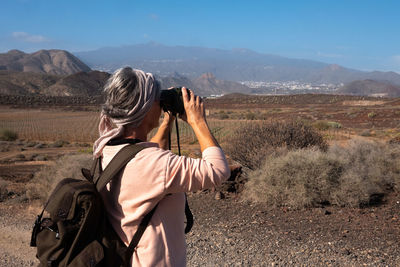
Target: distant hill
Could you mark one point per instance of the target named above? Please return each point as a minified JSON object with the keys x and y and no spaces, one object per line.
{"x":230,"y":65}
{"x":175,"y":80}
{"x":29,"y":83}
{"x":370,"y":88}
{"x":57,"y":62}
{"x":205,"y":85}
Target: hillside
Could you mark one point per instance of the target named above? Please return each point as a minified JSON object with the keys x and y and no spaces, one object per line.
{"x":78,"y":84}
{"x":370,"y":88}
{"x":27,"y":83}
{"x":22,"y":83}
{"x":57,"y":62}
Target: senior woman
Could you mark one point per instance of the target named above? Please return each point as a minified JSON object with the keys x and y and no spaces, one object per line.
{"x":154,"y":175}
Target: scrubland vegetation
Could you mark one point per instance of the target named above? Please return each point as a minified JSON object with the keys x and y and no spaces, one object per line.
{"x":251,"y":144}
{"x":291,"y":165}
{"x":284,"y":144}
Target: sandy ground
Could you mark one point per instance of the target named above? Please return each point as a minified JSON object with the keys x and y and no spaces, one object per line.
{"x":229,"y":232}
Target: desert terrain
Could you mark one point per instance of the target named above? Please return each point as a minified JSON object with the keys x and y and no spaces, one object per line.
{"x":229,"y":230}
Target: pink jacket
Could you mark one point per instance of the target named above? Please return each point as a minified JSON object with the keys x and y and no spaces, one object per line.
{"x":159,"y":176}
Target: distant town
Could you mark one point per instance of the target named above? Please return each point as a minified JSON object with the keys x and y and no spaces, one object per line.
{"x":292,"y":85}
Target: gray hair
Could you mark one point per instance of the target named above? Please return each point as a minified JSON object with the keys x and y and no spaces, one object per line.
{"x":123,"y":92}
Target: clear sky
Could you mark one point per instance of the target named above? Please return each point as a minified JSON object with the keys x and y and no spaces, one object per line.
{"x":361,"y":34}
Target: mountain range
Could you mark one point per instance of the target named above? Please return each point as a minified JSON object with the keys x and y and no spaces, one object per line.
{"x":232,"y":65}
{"x":59,"y":73}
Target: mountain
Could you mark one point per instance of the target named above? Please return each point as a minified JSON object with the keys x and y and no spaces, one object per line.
{"x":207,"y":84}
{"x":58,"y":62}
{"x":175,"y":80}
{"x":27,"y":83}
{"x":232,"y":65}
{"x":370,"y":88}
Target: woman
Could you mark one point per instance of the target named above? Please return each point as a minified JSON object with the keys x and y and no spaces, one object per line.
{"x":154,"y":175}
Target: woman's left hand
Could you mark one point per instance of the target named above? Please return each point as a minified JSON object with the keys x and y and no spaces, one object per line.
{"x":168,"y":119}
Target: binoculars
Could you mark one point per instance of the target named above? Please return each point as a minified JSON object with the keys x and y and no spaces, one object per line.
{"x":171,"y":101}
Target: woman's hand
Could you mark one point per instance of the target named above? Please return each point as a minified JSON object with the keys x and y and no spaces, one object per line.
{"x":194,"y":108}
{"x":195,"y":116}
{"x":161,"y":136}
{"x":168,"y":119}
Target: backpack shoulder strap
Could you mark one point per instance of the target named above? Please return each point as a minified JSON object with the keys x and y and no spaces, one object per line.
{"x":117,"y":163}
{"x":139,"y":232}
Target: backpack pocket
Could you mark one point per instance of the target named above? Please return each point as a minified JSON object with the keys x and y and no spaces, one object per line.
{"x":90,"y":256}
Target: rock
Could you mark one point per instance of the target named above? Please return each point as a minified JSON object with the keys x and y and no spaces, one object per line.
{"x":219,"y":195}
{"x":40,"y":145}
{"x":41,"y":158}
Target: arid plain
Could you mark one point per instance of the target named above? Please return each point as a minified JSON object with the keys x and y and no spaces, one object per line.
{"x":228,"y":230}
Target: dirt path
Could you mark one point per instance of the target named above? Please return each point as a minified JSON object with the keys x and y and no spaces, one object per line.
{"x":232,"y":233}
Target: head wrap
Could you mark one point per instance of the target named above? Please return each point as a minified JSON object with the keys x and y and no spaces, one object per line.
{"x":148,"y":93}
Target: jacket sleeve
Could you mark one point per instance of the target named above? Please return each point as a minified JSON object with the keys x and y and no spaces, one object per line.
{"x":184,"y":174}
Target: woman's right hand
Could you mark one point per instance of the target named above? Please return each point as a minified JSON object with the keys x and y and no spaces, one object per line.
{"x":194,"y":108}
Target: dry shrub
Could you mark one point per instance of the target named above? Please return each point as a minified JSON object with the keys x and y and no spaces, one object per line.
{"x":356,"y":176}
{"x":251,"y":144}
{"x":45,"y":180}
{"x":371,"y":171}
{"x":8,"y":135}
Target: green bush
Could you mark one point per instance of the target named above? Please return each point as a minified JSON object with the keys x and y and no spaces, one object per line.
{"x":8,"y":135}
{"x":251,"y":144}
{"x":359,"y":175}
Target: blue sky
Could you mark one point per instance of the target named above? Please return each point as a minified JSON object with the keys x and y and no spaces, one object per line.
{"x":361,"y":34}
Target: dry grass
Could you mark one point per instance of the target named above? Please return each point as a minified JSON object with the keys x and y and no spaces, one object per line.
{"x":51,"y":125}
{"x":68,"y":166}
{"x":358,"y":175}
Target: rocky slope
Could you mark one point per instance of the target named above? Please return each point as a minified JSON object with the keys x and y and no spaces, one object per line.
{"x":27,"y":83}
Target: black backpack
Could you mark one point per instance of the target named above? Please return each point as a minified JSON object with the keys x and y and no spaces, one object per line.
{"x":77,"y":232}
